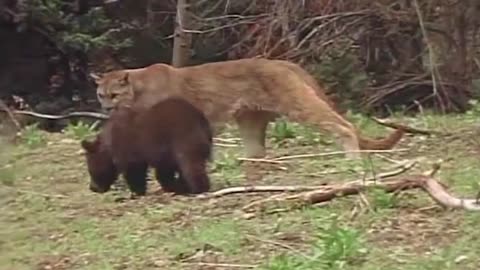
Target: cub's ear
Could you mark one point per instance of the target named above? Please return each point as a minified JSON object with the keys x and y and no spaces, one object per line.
{"x":89,"y":146}
{"x":95,"y":76}
{"x":124,"y":79}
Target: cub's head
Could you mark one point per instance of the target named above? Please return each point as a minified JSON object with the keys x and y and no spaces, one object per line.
{"x":113,"y":88}
{"x":101,"y":168}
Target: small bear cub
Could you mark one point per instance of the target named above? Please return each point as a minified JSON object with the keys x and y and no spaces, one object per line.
{"x":173,"y":137}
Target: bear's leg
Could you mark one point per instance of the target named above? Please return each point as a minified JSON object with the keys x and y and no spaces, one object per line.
{"x":194,"y":175}
{"x":252,"y":126}
{"x":136,"y":177}
{"x":166,"y":179}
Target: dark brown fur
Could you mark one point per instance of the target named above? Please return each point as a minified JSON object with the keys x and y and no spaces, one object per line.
{"x":172,"y":137}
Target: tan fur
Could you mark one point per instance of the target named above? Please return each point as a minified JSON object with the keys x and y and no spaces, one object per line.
{"x":253,"y":92}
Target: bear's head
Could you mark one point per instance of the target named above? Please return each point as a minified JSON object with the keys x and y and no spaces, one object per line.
{"x":101,"y":168}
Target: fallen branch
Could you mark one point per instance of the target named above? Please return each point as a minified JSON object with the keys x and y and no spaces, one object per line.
{"x":223,"y":265}
{"x":252,"y":189}
{"x":400,"y":168}
{"x":430,"y":185}
{"x":95,"y":115}
{"x":368,"y":181}
{"x":227,"y":140}
{"x":338,"y":153}
{"x":262,"y":160}
{"x":442,"y":197}
{"x":226,"y":145}
{"x":351,"y":188}
{"x":406,"y":128}
{"x":435,"y":190}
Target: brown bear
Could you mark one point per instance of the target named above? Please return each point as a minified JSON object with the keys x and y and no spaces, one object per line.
{"x":173,"y":137}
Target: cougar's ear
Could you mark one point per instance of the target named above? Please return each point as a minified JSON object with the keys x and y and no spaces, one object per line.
{"x":95,"y":77}
{"x":90,"y":146}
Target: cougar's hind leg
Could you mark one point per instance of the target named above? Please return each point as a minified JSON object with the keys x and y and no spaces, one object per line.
{"x":314,"y":111}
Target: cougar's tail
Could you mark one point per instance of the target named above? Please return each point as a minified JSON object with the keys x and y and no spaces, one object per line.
{"x":380,"y":144}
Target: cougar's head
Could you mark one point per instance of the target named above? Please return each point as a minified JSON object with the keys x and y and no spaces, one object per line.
{"x":113,"y":88}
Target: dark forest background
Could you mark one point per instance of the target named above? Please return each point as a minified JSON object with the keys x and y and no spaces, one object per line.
{"x":373,"y":56}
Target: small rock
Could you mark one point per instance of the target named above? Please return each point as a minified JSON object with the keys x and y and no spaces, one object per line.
{"x":67,"y":140}
{"x":248,"y":215}
{"x":461,"y":258}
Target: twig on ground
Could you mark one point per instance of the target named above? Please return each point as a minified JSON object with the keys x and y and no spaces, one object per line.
{"x":365,"y":201}
{"x":276,"y":197}
{"x":321,"y":174}
{"x":406,"y":128}
{"x":252,"y":189}
{"x":95,"y":115}
{"x":391,"y":160}
{"x":337,"y":153}
{"x":275,"y":243}
{"x":227,"y":265}
{"x":226,"y":145}
{"x":261,"y":160}
{"x":434,"y":170}
{"x":395,"y":170}
{"x":227,"y":140}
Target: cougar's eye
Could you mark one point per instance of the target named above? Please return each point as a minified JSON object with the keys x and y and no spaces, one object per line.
{"x":113,"y":96}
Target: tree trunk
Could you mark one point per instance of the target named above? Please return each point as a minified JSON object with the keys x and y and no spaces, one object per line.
{"x":182,"y":40}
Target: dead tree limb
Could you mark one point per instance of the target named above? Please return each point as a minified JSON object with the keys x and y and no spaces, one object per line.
{"x":253,"y":189}
{"x":327,"y":193}
{"x":318,"y":194}
{"x":94,"y":115}
{"x":398,"y":169}
{"x":434,"y":189}
{"x":438,"y":193}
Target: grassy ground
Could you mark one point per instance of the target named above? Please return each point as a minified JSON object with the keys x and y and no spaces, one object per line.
{"x":83,"y":230}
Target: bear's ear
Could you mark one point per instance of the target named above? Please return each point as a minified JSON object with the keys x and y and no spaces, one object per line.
{"x":89,"y":146}
{"x":124,"y":79}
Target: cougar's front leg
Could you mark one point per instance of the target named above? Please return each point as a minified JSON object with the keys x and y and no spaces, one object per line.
{"x":252,"y":126}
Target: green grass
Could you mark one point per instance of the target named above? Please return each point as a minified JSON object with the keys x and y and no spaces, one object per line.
{"x":50,"y":220}
{"x":32,"y":137}
{"x":80,"y":130}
